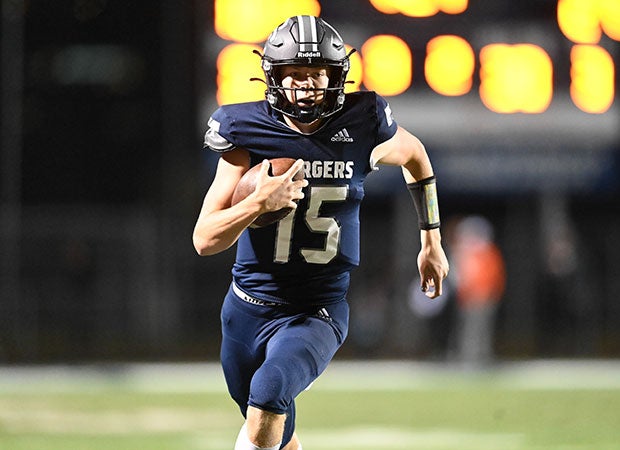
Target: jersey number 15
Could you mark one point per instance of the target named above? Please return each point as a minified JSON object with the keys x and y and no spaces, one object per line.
{"x":317,"y":224}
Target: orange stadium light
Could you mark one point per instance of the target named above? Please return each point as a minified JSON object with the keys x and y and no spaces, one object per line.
{"x":452,"y":6}
{"x":252,"y":21}
{"x":609,"y":12}
{"x":579,"y":20}
{"x":385,"y":6}
{"x":419,"y":8}
{"x":592,"y":78}
{"x":236,"y":64}
{"x":387,"y":65}
{"x":583,"y":21}
{"x":515,"y":78}
{"x":449,"y":65}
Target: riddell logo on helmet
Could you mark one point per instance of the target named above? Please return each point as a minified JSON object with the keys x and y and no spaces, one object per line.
{"x":308,"y":54}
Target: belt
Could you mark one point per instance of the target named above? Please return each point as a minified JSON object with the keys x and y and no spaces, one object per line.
{"x":321,"y":313}
{"x":249,"y":299}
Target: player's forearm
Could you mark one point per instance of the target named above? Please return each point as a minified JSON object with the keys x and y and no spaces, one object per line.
{"x":217,"y":231}
{"x":214,"y":237}
{"x":418,"y":167}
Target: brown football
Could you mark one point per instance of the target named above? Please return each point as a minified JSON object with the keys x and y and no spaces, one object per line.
{"x":247,"y":184}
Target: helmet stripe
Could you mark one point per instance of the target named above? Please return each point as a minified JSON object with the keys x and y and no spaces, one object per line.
{"x":315,"y":44}
{"x":302,"y":34}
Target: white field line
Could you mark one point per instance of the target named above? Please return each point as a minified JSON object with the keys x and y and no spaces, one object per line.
{"x":46,"y":419}
{"x":340,"y":375}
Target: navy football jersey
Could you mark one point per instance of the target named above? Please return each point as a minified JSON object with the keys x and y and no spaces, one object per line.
{"x":306,"y":258}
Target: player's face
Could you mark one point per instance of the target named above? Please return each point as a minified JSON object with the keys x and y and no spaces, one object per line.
{"x":309,"y":84}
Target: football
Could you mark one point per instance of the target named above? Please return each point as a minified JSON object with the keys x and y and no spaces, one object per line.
{"x":247,"y":184}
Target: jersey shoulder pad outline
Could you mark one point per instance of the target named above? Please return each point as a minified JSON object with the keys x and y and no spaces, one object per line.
{"x":214,"y":140}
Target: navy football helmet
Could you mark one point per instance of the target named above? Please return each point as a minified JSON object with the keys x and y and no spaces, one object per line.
{"x":307,"y":41}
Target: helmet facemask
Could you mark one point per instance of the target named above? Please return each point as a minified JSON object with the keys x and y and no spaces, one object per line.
{"x":325,"y":101}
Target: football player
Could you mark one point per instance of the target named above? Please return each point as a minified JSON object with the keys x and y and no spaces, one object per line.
{"x":286,"y":313}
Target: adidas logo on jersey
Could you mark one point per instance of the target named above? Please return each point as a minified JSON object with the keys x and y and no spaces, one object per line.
{"x":342,"y":136}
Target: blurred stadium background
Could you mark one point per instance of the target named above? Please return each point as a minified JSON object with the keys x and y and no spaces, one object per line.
{"x":104,"y":104}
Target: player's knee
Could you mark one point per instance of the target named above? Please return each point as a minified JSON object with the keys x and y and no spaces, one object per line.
{"x":271,"y":389}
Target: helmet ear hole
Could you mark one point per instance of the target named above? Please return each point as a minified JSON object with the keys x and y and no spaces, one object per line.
{"x":276,"y":73}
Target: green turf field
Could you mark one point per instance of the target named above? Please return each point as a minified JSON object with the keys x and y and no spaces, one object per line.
{"x":534,"y":406}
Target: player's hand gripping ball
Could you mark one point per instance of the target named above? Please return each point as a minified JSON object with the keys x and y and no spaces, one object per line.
{"x":247,"y":184}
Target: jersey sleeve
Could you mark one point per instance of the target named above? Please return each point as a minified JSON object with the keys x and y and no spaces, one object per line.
{"x":387,"y":124}
{"x":219,"y":131}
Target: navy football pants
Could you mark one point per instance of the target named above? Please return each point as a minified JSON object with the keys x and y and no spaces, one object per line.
{"x":271,"y":354}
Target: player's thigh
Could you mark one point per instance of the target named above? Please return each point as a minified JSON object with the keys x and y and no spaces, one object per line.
{"x":306,"y":345}
{"x":238,"y":354}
